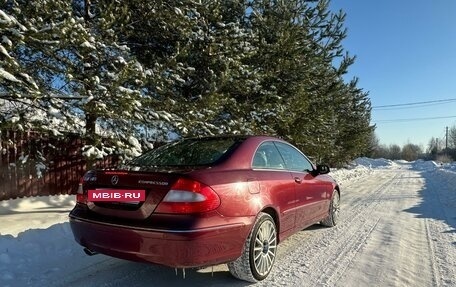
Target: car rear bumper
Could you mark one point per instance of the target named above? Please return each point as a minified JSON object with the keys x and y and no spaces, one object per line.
{"x":173,"y":248}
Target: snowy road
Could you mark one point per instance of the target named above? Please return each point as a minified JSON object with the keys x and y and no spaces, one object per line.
{"x":393,"y":232}
{"x":397,"y":228}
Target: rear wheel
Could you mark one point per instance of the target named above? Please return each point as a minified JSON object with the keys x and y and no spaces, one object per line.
{"x":334,"y":210}
{"x":259,"y":253}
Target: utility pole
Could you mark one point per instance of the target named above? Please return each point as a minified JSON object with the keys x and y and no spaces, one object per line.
{"x":446,"y":139}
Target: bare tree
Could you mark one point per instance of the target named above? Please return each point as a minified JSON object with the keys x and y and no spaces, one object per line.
{"x":452,"y":137}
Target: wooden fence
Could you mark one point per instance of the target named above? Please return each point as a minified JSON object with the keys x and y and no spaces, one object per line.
{"x":35,"y":164}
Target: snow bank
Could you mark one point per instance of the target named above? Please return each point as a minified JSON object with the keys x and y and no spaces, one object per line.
{"x":375,"y":163}
{"x":42,"y":203}
{"x":345,"y":175}
{"x":443,"y":168}
{"x":359,"y":168}
{"x":21,"y":214}
{"x":425,"y":165}
{"x":447,"y":173}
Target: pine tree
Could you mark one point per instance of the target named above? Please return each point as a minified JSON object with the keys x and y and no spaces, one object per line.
{"x":184,"y":67}
{"x":299,"y":44}
{"x":86,"y":78}
{"x":17,"y":87}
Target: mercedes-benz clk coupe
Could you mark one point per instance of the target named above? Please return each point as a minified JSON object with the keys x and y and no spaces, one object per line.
{"x":199,"y":202}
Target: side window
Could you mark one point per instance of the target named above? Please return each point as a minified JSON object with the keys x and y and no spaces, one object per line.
{"x":267,"y":156}
{"x":294,"y":160}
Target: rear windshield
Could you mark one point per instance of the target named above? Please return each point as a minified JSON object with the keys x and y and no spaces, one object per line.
{"x":188,"y":152}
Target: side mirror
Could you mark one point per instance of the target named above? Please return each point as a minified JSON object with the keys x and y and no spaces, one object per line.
{"x":322,"y":169}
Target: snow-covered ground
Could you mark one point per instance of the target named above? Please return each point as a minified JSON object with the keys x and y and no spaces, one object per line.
{"x":397,"y":228}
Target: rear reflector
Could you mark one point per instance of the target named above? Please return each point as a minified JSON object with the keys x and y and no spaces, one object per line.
{"x":189,"y":196}
{"x":81,"y":198}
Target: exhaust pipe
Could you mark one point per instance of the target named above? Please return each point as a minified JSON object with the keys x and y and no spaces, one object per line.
{"x":89,"y":252}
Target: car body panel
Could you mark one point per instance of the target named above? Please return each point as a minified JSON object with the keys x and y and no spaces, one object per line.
{"x":180,"y":248}
{"x":313,"y":198}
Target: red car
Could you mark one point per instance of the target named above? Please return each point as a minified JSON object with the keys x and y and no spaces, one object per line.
{"x":204,"y":201}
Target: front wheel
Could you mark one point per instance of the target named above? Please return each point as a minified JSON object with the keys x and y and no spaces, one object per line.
{"x":259,"y":253}
{"x":334,"y":210}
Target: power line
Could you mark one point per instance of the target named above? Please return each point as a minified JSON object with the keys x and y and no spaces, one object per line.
{"x":411,"y":107}
{"x":414,"y":104}
{"x":412,"y":119}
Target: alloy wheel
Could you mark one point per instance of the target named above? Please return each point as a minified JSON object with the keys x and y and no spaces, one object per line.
{"x":265,"y":248}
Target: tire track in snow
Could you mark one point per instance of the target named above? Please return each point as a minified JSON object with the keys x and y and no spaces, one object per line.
{"x":357,"y":232}
{"x":329,"y":251}
{"x":435,"y":269}
{"x":358,"y":226}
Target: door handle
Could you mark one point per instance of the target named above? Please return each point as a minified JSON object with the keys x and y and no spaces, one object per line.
{"x":297,"y":180}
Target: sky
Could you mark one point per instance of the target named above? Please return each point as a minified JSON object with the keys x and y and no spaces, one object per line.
{"x":405,"y":53}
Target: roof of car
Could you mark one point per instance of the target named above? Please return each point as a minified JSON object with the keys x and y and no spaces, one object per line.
{"x":235,"y":136}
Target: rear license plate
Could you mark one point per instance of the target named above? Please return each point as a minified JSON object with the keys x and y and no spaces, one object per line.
{"x":124,"y":196}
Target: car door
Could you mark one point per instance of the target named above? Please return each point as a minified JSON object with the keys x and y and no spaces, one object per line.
{"x":276,"y":183}
{"x":311,"y":194}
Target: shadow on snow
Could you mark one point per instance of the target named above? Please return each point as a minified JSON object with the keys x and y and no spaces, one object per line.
{"x":438,"y":198}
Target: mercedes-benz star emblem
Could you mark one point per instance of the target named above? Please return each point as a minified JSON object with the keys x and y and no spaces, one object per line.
{"x":115,"y":179}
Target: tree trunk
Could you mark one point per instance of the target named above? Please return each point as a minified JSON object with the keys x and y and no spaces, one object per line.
{"x":90,"y":134}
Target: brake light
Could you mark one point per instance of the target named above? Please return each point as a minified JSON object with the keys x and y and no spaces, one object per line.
{"x":189,"y":196}
{"x":80,"y":196}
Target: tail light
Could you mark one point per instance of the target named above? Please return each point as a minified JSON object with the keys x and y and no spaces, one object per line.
{"x":80,"y":196}
{"x":89,"y":176}
{"x":188,"y":196}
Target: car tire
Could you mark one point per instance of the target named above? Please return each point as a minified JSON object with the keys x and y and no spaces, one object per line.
{"x":259,"y":252}
{"x":334,"y":210}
